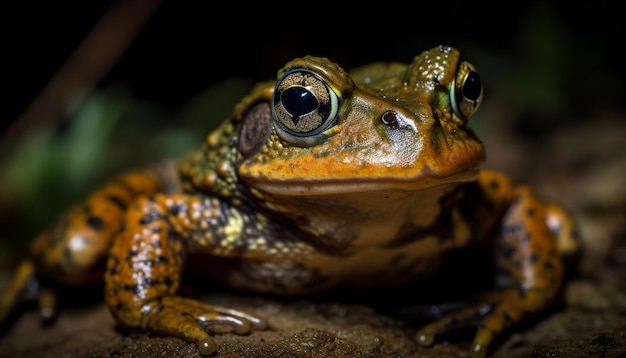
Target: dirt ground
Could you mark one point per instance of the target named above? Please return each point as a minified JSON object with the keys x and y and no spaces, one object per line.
{"x":582,"y":166}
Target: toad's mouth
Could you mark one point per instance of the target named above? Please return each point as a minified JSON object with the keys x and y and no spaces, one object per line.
{"x":311,"y":186}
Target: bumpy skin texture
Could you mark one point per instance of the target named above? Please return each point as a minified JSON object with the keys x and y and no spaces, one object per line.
{"x":320,"y":179}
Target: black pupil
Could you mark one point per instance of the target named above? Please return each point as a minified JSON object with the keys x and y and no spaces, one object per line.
{"x":472,"y":86}
{"x":298,"y":101}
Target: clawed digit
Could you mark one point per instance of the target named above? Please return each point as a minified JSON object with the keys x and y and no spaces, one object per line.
{"x":187,"y":319}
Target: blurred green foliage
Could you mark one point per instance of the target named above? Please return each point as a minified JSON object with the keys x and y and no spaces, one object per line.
{"x":50,"y":167}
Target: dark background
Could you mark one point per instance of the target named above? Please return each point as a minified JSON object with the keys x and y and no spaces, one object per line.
{"x":187,"y":46}
{"x":552,"y":63}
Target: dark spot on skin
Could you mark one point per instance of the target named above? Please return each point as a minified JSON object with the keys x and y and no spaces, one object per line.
{"x":149,"y":218}
{"x":131,"y":253}
{"x":507,"y":317}
{"x":512,"y":229}
{"x":530,"y":212}
{"x":114,"y":291}
{"x":158,"y":261}
{"x":442,"y":228}
{"x":475,"y":208}
{"x":95,"y":223}
{"x":548,"y":265}
{"x":532,"y":258}
{"x":132,"y":288}
{"x":148,"y":282}
{"x":175,"y":209}
{"x":515,"y":233}
{"x":494,"y":185}
{"x":112,"y":271}
{"x":113,"y":267}
{"x":173,"y":235}
{"x":146,"y":219}
{"x":119,"y":306}
{"x":121,"y":204}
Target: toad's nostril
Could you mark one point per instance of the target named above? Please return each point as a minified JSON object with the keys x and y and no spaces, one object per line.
{"x":390,"y":118}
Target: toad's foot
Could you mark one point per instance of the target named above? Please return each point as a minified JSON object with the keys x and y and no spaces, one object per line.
{"x":188,"y":319}
{"x":492,"y":315}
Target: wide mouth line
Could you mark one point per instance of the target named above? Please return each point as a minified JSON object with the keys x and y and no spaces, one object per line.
{"x":338,"y":186}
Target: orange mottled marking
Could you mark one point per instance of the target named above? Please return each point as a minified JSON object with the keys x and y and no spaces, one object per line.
{"x":144,"y":272}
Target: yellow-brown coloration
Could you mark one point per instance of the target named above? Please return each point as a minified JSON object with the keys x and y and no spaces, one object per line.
{"x":361,"y":150}
{"x":321,"y":179}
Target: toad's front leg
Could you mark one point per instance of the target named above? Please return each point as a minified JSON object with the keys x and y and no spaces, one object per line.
{"x":529,"y":251}
{"x":145,"y":267}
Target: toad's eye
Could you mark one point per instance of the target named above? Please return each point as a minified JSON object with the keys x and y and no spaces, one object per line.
{"x":303,"y":106}
{"x":466,"y":92}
